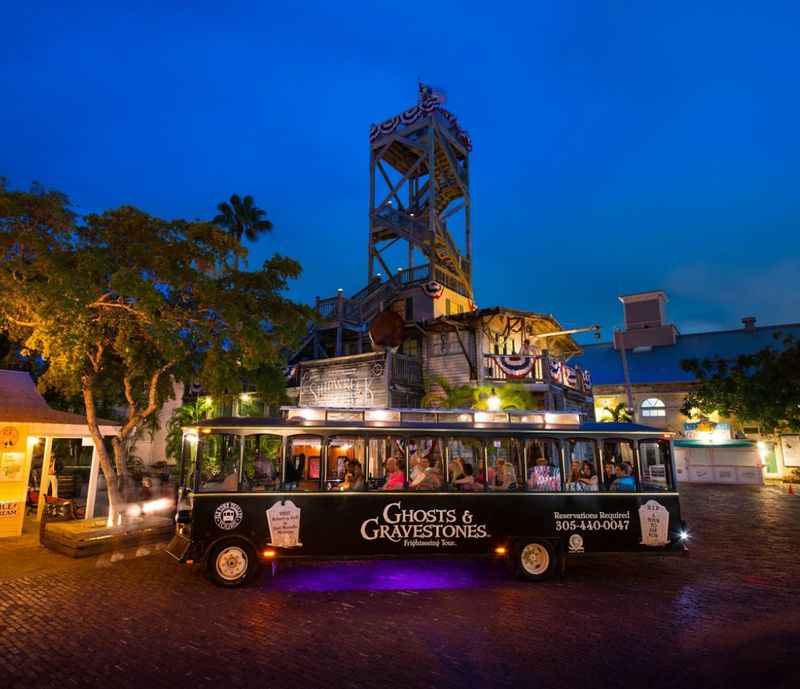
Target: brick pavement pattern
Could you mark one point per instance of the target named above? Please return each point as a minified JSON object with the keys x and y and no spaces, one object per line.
{"x":727,"y":615}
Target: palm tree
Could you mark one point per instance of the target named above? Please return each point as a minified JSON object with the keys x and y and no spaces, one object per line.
{"x":439,"y":393}
{"x":242,"y":218}
{"x":617,"y":414}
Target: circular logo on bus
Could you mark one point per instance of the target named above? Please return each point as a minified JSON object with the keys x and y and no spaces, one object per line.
{"x":228,"y":516}
{"x":576,"y":543}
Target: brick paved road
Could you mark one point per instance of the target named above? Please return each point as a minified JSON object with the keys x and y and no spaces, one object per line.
{"x":728,"y":615}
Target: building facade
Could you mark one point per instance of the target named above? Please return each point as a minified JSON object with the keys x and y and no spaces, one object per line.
{"x":641,"y":368}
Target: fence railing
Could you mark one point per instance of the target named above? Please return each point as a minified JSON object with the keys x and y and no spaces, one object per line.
{"x":536,"y":369}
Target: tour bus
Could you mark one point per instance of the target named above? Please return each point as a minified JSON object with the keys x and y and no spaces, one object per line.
{"x":535,"y":488}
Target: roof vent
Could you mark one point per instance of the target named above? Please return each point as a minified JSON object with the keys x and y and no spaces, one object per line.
{"x":749,"y":323}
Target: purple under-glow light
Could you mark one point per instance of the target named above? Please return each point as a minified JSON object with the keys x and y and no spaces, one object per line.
{"x":384,"y":575}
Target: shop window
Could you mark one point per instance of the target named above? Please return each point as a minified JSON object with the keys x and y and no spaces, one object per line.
{"x":653,"y":407}
{"x":345,"y":463}
{"x":619,"y":466}
{"x":448,"y":307}
{"x":387,"y":464}
{"x":656,"y":465}
{"x":426,"y":463}
{"x":262,"y":463}
{"x":582,"y":469}
{"x":467,"y":470}
{"x":303,"y":463}
{"x":409,"y":308}
{"x":218,"y":459}
{"x":504,"y":457}
{"x":544,"y":465}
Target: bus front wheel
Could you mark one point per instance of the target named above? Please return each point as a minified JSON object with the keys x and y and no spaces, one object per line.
{"x":535,"y":560}
{"x":231,"y":563}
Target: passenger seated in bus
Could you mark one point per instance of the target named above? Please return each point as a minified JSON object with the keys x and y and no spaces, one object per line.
{"x":294,"y":470}
{"x":458,"y":474}
{"x":544,"y":476}
{"x":588,"y":476}
{"x":609,"y":472}
{"x":416,"y":469}
{"x":263,"y":470}
{"x":504,"y":476}
{"x":357,"y":481}
{"x":427,"y":476}
{"x":624,"y":480}
{"x":395,"y":477}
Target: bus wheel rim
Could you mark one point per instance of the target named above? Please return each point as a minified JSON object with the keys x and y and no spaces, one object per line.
{"x":231,"y":563}
{"x":535,"y":558}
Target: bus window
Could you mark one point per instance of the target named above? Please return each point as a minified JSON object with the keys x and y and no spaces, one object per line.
{"x":505,"y":464}
{"x":582,"y":472}
{"x":426,"y":463}
{"x":387,"y":464}
{"x":302,"y":463}
{"x":656,"y":467}
{"x":345,"y":463}
{"x":619,"y":465}
{"x":544,"y":465}
{"x":218,"y":456}
{"x":467,"y":471}
{"x":262,"y":466}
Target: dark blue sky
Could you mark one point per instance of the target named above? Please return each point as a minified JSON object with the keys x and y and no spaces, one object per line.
{"x":618,"y":146}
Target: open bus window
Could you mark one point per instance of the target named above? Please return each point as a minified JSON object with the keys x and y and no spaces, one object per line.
{"x":302,"y":471}
{"x":426,"y":463}
{"x":544,"y":465}
{"x":505,"y":464}
{"x":262,"y":465}
{"x":467,"y":471}
{"x":582,"y":469}
{"x":387,"y":463}
{"x":619,"y":465}
{"x":346,"y":463}
{"x":218,"y":457}
{"x":654,"y":459}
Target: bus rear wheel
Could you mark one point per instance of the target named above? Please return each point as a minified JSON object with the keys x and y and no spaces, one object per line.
{"x":535,"y":560}
{"x":231,"y":563}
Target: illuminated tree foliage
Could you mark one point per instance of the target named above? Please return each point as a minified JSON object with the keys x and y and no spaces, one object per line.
{"x":128,"y":302}
{"x":761,"y":388}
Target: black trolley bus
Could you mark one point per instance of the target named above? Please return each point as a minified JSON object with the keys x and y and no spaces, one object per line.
{"x":534,"y":487}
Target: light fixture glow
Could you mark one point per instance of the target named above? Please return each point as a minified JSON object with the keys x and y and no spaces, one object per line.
{"x":684,"y":535}
{"x":493,"y":402}
{"x":268,"y":554}
{"x":500,"y":550}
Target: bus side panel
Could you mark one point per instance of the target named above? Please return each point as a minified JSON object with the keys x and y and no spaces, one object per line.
{"x":374,"y":524}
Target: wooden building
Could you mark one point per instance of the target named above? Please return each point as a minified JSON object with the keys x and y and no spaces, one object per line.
{"x":419,"y":195}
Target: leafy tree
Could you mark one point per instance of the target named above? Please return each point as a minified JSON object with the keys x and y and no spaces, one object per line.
{"x":185,"y":415}
{"x":761,"y":388}
{"x":242,"y":218}
{"x":619,"y":413}
{"x":123,"y":303}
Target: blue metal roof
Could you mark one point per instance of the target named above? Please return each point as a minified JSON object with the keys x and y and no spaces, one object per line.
{"x":663,"y":364}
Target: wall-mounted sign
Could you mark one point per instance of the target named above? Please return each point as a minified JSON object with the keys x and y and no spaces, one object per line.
{"x":9,"y":510}
{"x":12,"y":466}
{"x":346,"y":384}
{"x":9,"y":437}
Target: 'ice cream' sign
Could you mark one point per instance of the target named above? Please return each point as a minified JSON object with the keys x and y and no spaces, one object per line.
{"x":654,"y":519}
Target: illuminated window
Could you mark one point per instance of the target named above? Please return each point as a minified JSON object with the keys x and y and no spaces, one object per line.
{"x":653,"y":407}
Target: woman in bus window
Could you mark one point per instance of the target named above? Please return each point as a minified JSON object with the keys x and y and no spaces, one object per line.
{"x":504,"y":476}
{"x":588,"y":476}
{"x":395,"y":477}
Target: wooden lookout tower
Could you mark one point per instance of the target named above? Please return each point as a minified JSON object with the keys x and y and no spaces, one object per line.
{"x":419,"y":188}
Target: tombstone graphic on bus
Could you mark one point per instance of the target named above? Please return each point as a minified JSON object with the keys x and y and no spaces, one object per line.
{"x":654,"y":519}
{"x":283,"y":520}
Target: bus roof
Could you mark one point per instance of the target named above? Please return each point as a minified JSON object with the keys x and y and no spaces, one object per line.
{"x":230,"y":423}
